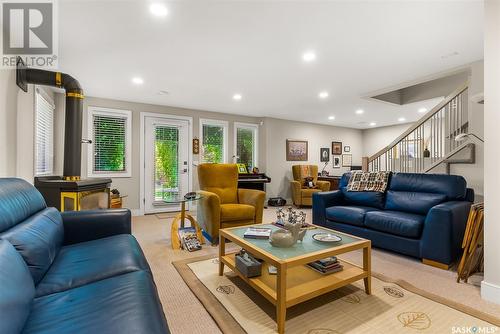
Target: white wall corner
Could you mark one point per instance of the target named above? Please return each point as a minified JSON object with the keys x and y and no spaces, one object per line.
{"x":136,"y":212}
{"x":490,"y":292}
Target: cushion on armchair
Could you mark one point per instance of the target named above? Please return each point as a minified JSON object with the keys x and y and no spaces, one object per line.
{"x":232,"y":212}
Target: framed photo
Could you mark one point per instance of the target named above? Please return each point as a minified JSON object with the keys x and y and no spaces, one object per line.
{"x":347,"y":148}
{"x":196,"y":146}
{"x":324,"y":154}
{"x":242,"y":168}
{"x":346,"y":160}
{"x":336,"y":147}
{"x":296,"y":150}
{"x":337,"y":161}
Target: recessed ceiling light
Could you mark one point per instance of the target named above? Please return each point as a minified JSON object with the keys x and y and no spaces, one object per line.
{"x":323,"y":95}
{"x":158,"y":9}
{"x":359,"y":111}
{"x":309,"y":56}
{"x":401,"y":119}
{"x":331,"y":118}
{"x":373,"y":124}
{"x":137,"y":80}
{"x":422,"y":110}
{"x":237,"y":97}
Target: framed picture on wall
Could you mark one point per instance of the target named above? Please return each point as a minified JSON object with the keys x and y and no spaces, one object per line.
{"x":296,"y":150}
{"x":336,"y":147}
{"x":324,"y":154}
{"x":347,"y":148}
{"x":346,"y":160}
{"x":337,"y":161}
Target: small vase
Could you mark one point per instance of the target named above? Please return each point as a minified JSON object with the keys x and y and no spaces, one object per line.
{"x":427,"y":153}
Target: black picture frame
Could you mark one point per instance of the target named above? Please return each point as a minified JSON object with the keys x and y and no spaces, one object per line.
{"x":347,"y":149}
{"x":337,"y":161}
{"x":324,"y":154}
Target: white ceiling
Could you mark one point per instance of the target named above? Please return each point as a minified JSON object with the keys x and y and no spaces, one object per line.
{"x":205,"y":51}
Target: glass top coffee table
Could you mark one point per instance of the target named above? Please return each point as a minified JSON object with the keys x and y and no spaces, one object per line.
{"x":295,"y":282}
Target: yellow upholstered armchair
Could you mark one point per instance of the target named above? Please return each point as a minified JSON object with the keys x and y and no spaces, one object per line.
{"x":301,"y":194}
{"x":223,"y":204}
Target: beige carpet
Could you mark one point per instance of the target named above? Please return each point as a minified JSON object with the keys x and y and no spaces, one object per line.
{"x":185,"y":314}
{"x":393,"y":307}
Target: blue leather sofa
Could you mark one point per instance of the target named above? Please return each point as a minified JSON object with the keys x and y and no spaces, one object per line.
{"x":421,"y":215}
{"x":75,"y":272}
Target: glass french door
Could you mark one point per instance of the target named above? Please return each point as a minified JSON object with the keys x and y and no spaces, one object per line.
{"x":166,"y":162}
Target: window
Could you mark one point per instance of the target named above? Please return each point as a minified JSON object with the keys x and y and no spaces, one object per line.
{"x":44,"y":133}
{"x":245,"y":144}
{"x":110,"y":132}
{"x":213,"y":136}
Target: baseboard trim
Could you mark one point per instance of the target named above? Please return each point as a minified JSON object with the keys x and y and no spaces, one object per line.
{"x":136,"y":212}
{"x":435,"y":264}
{"x":490,"y":292}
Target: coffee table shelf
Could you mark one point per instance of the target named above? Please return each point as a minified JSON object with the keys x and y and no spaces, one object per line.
{"x":302,"y":283}
{"x":294,"y":282}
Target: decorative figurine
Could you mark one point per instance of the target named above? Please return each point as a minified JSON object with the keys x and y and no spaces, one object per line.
{"x":291,"y":231}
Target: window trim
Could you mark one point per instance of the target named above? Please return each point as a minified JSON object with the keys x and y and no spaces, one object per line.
{"x":225,"y":125}
{"x":250,"y":126}
{"x":50,"y":100}
{"x":102,"y":111}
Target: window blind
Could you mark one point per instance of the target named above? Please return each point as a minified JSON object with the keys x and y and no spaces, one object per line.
{"x":213,"y":143}
{"x":109,"y":141}
{"x":245,"y":146}
{"x":44,"y":135}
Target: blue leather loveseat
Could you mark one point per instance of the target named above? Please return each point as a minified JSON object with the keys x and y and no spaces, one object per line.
{"x":75,"y":272}
{"x":421,"y":215}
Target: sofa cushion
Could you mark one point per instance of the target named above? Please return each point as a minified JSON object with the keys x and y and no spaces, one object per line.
{"x":395,"y":222}
{"x":38,"y":239}
{"x":231,"y":212}
{"x":18,"y":201}
{"x":91,"y":261}
{"x":419,"y":203}
{"x":16,"y":289}
{"x":454,"y":187}
{"x":352,"y":215}
{"x":126,"y":303}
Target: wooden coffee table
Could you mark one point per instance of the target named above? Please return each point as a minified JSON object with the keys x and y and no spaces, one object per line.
{"x":295,"y":282}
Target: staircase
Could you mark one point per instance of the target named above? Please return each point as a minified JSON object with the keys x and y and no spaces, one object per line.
{"x":430,"y":143}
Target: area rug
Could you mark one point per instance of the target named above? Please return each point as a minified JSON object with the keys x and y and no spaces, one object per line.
{"x":393,"y":307}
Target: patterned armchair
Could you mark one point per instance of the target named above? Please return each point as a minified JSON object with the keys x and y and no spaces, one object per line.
{"x":301,"y":194}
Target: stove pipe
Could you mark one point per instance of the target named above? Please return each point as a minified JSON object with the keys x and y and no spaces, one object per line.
{"x":73,"y":113}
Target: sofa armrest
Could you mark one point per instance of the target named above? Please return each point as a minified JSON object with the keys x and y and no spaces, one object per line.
{"x":208,"y":214}
{"x":443,"y":232}
{"x":80,"y":226}
{"x":323,"y":185}
{"x":296,"y":196}
{"x":322,"y":201}
{"x":254,"y":198}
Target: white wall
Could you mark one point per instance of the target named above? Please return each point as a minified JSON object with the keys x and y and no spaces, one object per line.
{"x":490,"y":288}
{"x":8,"y":121}
{"x":318,"y":136}
{"x":376,"y":139}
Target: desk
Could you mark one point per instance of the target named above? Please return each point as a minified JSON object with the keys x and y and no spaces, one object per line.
{"x":334,"y":181}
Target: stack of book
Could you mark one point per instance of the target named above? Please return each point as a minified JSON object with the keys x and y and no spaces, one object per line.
{"x":326,"y":266}
{"x":257,"y":233}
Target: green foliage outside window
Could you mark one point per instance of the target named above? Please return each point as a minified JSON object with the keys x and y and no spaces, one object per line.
{"x":213,"y":143}
{"x":109,"y":144}
{"x":245,"y":146}
{"x":167,"y":162}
